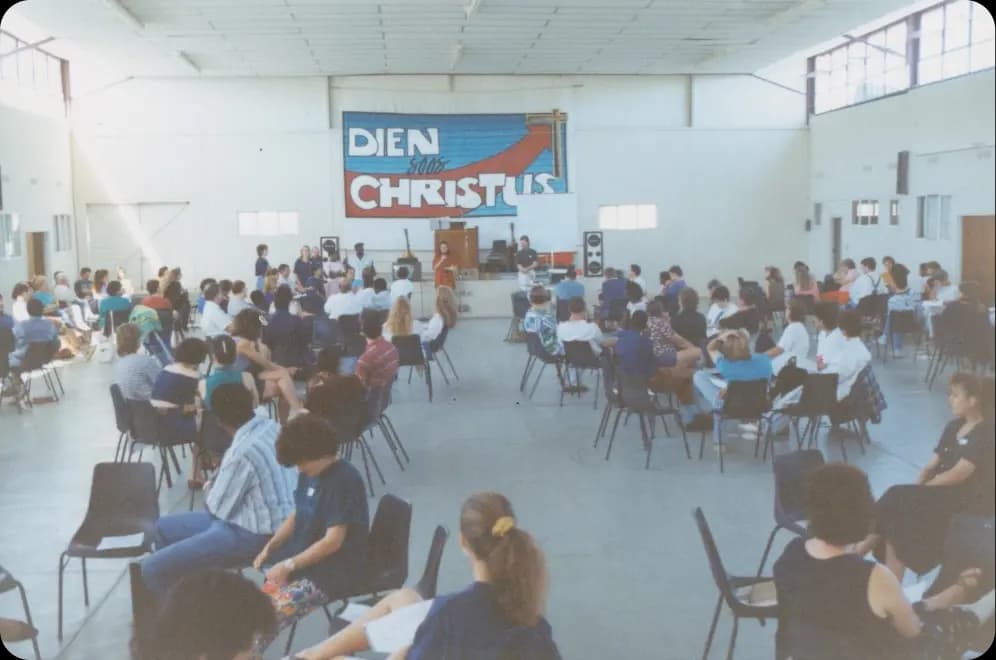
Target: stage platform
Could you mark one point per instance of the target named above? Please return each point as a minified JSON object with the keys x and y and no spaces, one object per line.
{"x":485,"y":299}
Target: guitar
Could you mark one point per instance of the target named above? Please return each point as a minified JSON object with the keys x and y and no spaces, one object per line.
{"x":513,"y":247}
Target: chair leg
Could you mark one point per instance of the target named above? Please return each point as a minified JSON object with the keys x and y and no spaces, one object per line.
{"x":27,"y":615}
{"x":536,"y":383}
{"x":86,"y":588}
{"x":397,"y":438}
{"x":390,"y":444}
{"x":717,"y":430}
{"x":62,"y":569}
{"x":648,"y":442}
{"x":684,"y":436}
{"x":602,"y":423}
{"x":366,"y":467}
{"x":612,"y":438}
{"x":450,"y":362}
{"x":428,"y":380}
{"x":712,"y":628}
{"x":373,"y":460}
{"x":176,"y":463}
{"x":733,"y":637}
{"x":767,"y":549}
{"x":442,"y":371}
{"x":290,"y":638}
{"x":525,"y":373}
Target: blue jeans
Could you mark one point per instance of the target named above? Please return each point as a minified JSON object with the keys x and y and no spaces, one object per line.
{"x":706,"y":397}
{"x":897,"y":340}
{"x":195,"y":541}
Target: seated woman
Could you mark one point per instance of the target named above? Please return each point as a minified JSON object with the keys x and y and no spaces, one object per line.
{"x":674,"y":356}
{"x":747,"y":316}
{"x":688,"y":322}
{"x":901,"y":300}
{"x":39,"y":291}
{"x":540,"y":320}
{"x":911,"y":521}
{"x":319,"y":553}
{"x":399,"y":320}
{"x":849,"y":355}
{"x":444,"y":316}
{"x":224,"y":352}
{"x":499,"y":616}
{"x":253,"y":356}
{"x":135,"y":373}
{"x":805,"y":285}
{"x":114,"y":301}
{"x":735,"y":362}
{"x":834,"y":604}
{"x":794,"y":342}
{"x":174,"y":393}
{"x":774,"y":289}
{"x":341,"y":402}
{"x":719,"y":308}
{"x":177,"y":296}
{"x":847,"y":273}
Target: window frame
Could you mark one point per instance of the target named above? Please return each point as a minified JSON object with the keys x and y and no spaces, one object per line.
{"x":276,"y":222}
{"x":604,"y":209}
{"x":11,"y":237}
{"x":870,"y":219}
{"x":63,"y":232}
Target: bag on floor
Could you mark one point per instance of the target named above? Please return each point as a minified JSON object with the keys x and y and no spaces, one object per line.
{"x":105,"y":352}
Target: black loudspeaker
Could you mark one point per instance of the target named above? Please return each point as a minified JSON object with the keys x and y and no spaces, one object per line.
{"x":330,"y":246}
{"x":903,"y":173}
{"x":594,"y":261}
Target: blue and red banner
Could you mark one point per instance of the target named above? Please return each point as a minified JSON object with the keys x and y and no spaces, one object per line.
{"x":438,"y":166}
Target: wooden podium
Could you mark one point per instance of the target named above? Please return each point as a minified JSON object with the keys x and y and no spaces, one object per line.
{"x":463,"y":246}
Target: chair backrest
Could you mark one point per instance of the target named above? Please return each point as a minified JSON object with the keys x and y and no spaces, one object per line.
{"x":580,"y":354}
{"x":123,"y":499}
{"x":146,"y":425}
{"x":534,"y":346}
{"x":437,"y":344}
{"x":166,"y":321}
{"x":387,"y":545}
{"x":873,"y":306}
{"x":719,"y":574}
{"x":409,"y":350}
{"x":349,"y":324}
{"x":212,"y":437}
{"x":426,"y":586}
{"x":746,"y":399}
{"x":617,"y":309}
{"x":353,"y":341}
{"x":115,"y":319}
{"x":610,"y":382}
{"x":122,"y":416}
{"x":37,"y":355}
{"x":633,"y":391}
{"x":903,"y":321}
{"x":499,"y":244}
{"x":520,"y":304}
{"x":792,"y":472}
{"x":6,"y":346}
{"x":819,"y":394}
{"x":563,"y":310}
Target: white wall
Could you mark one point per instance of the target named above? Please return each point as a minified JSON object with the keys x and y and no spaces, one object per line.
{"x":37,"y":177}
{"x":948,"y":129}
{"x":723,"y":157}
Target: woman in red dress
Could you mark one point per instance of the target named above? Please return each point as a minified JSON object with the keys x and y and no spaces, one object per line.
{"x":444,"y":267}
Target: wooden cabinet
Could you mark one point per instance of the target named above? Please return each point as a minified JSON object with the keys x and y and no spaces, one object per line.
{"x":463,"y":245}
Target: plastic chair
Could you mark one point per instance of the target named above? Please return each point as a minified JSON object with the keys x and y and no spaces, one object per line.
{"x":352,"y":340}
{"x":426,"y":586}
{"x":123,"y":501}
{"x":635,"y":398}
{"x":745,"y":400}
{"x":438,"y":346}
{"x":579,"y":356}
{"x":737,"y":592}
{"x":563,"y":311}
{"x":903,"y":322}
{"x":792,"y":472}
{"x":520,"y":305}
{"x":537,"y":353}
{"x":818,"y":400}
{"x":147,"y":429}
{"x":115,"y":319}
{"x":212,"y":442}
{"x":378,"y":398}
{"x":410,"y":355}
{"x":37,"y":358}
{"x":612,"y":399}
{"x":26,"y":630}
{"x":122,"y":420}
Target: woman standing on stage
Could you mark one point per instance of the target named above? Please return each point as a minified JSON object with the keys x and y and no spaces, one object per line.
{"x":444,"y":267}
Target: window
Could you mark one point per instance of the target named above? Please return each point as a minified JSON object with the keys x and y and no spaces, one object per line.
{"x":862,"y":69}
{"x":818,"y":213}
{"x":268,"y":223}
{"x":893,"y":211}
{"x":864,"y":212}
{"x":10,"y":236}
{"x":933,"y":217}
{"x":628,"y":216}
{"x":29,"y":67}
{"x":63,"y":233}
{"x":955,"y":38}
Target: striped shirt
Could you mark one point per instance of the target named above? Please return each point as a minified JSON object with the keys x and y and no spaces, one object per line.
{"x":378,"y":365}
{"x":136,"y":374}
{"x":251,"y":489}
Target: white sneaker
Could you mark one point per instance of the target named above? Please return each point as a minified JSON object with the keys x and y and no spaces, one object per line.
{"x":882,"y":340}
{"x":749,"y":428}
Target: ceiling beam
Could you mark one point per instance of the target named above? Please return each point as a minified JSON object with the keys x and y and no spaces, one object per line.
{"x":33,"y":46}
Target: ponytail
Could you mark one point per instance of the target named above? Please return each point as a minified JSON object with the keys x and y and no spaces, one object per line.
{"x":515,"y":563}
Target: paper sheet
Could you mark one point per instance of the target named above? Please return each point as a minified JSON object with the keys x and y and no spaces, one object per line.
{"x":353,"y":612}
{"x":117,"y":542}
{"x":915,"y":591}
{"x":397,"y":629}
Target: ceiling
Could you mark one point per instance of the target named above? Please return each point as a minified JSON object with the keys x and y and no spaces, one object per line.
{"x":349,"y":37}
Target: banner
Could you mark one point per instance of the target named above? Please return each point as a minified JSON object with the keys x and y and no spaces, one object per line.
{"x":439,"y":166}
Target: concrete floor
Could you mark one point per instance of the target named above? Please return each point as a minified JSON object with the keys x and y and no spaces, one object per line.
{"x":629,"y":577}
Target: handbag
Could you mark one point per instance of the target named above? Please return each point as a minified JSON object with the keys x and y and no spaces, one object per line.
{"x":789,"y":378}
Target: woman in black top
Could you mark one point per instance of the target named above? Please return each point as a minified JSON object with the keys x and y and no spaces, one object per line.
{"x":912,"y":520}
{"x":747,"y":317}
{"x":689,"y":323}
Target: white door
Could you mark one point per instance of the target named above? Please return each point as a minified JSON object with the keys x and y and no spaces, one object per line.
{"x":131,"y":235}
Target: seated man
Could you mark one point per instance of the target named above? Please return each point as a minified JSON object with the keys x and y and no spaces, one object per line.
{"x":402,"y":286}
{"x":214,"y":320}
{"x":378,"y":366}
{"x":613,"y":289}
{"x":794,"y":342}
{"x":35,"y":330}
{"x":285,"y":334}
{"x":155,"y":300}
{"x":851,"y":357}
{"x":237,"y":300}
{"x":635,"y":351}
{"x":344,"y":303}
{"x":867,"y":283}
{"x":672,"y":290}
{"x":381,"y":297}
{"x":569,"y":287}
{"x":247,"y":501}
{"x":578,"y":328}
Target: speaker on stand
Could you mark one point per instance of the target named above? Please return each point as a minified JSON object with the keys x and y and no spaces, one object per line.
{"x":594,"y":262}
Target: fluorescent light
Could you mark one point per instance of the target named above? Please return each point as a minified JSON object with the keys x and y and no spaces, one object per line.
{"x":125,"y":14}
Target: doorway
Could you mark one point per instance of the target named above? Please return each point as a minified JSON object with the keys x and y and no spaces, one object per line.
{"x":837,"y":224}
{"x":978,"y":254}
{"x":36,"y":253}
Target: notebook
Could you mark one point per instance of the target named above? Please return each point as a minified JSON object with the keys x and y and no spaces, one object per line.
{"x":397,"y":629}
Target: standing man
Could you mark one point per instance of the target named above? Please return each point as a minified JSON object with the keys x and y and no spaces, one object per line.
{"x":526,"y":260}
{"x":262,"y":265}
{"x":359,"y":262}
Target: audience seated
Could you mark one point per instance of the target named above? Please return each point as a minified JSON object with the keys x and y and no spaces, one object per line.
{"x":272,"y":380}
{"x":911,"y":521}
{"x":399,"y":320}
{"x":210,"y":615}
{"x":578,"y":328}
{"x":735,"y":362}
{"x":634,"y":298}
{"x":83,"y":287}
{"x":381,"y":297}
{"x":674,"y":356}
{"x":805,"y":285}
{"x":270,"y":283}
{"x":175,"y":391}
{"x":225,"y":372}
{"x":445,"y":315}
{"x":688,"y":322}
{"x":794,"y":342}
{"x":6,"y":320}
{"x":19,"y":297}
{"x":154,"y":300}
{"x":135,"y":373}
{"x":112,"y":302}
{"x":834,"y":604}
{"x":635,"y":351}
{"x":402,"y":287}
{"x":849,"y":358}
{"x":258,"y":300}
{"x":201,"y":299}
{"x":365,"y":295}
{"x":344,"y":303}
{"x":942,"y":289}
{"x":569,"y":287}
{"x":636,"y":275}
{"x":248,"y":499}
{"x":613,"y":289}
{"x":214,"y":320}
{"x":285,"y":276}
{"x":237,"y":300}
{"x":829,"y":338}
{"x":34,"y":330}
{"x":285,"y":334}
{"x":672,"y":290}
{"x":319,"y":553}
{"x":39,"y":291}
{"x":378,"y":366}
{"x":178,"y":298}
{"x":965,"y":323}
{"x":747,"y":316}
{"x":720,"y":307}
{"x":901,"y":300}
{"x":885,"y":276}
{"x":866,"y":284}
{"x":541,"y":321}
{"x":500,"y":615}
{"x":326,"y":369}
{"x":63,"y":291}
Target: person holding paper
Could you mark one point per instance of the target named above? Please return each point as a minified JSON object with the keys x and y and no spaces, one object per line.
{"x":319,"y":553}
{"x":498,"y":616}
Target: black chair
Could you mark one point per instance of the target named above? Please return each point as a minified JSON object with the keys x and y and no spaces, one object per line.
{"x":352,"y":340}
{"x":212,"y":442}
{"x":635,"y":398}
{"x":617,"y":310}
{"x":426,"y":586}
{"x":36,"y":361}
{"x":410,"y":355}
{"x":563,"y":311}
{"x":903,"y":323}
{"x":872,"y":309}
{"x":123,"y":501}
{"x":122,"y":419}
{"x":818,"y":400}
{"x":148,"y":428}
{"x":579,"y":356}
{"x":115,"y":319}
{"x":520,"y":305}
{"x":792,"y":472}
{"x":324,"y":332}
{"x":537,"y":353}
{"x":746,"y":401}
{"x":166,"y":325}
{"x":438,"y":347}
{"x":378,"y":399}
{"x":27,"y":630}
{"x":613,"y":400}
{"x":747,"y":597}
{"x":851,"y":411}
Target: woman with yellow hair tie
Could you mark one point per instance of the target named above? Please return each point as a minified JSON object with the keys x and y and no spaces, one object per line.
{"x":499,"y":615}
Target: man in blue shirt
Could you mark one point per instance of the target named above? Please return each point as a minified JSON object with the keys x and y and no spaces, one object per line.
{"x":285,"y":333}
{"x":34,"y":330}
{"x":262,"y":265}
{"x":635,"y":351}
{"x":569,"y":287}
{"x":250,"y":497}
{"x":613,"y":289}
